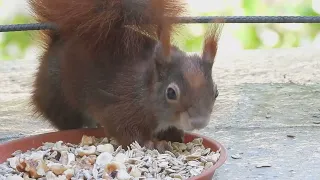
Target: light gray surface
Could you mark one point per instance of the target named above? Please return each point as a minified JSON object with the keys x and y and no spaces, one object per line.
{"x":265,"y":95}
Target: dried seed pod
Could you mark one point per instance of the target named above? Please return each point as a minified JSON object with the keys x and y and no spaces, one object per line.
{"x":57,"y":169}
{"x":52,"y":155}
{"x":119,"y":148}
{"x":206,"y":151}
{"x":120,"y":157}
{"x":106,"y":176}
{"x":123,"y":175}
{"x":170,"y":153}
{"x":16,"y":153}
{"x":104,"y":141}
{"x":114,"y":166}
{"x":192,"y":157}
{"x":176,"y":176}
{"x":67,"y":158}
{"x":21,"y":166}
{"x":194,"y":163}
{"x":13,"y":162}
{"x":59,"y":146}
{"x":104,"y":158}
{"x":105,"y":148}
{"x":51,"y":176}
{"x":92,"y":159}
{"x":135,"y":171}
{"x":86,"y":150}
{"x":35,"y":168}
{"x":208,"y":165}
{"x":114,"y":142}
{"x":163,"y":164}
{"x":197,"y":141}
{"x":69,"y":173}
{"x":213,"y":157}
{"x":175,"y":145}
{"x":87,"y":140}
{"x":14,"y":177}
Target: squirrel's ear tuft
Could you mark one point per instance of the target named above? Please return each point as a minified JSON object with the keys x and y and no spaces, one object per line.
{"x":165,"y":26}
{"x":164,"y":31}
{"x":160,"y":54}
{"x":211,"y":41}
{"x":163,"y":47}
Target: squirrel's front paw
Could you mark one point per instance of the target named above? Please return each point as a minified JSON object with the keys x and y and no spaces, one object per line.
{"x":161,"y":146}
{"x":172,"y":134}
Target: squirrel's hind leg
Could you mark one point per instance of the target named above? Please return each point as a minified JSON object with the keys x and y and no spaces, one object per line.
{"x":47,"y":97}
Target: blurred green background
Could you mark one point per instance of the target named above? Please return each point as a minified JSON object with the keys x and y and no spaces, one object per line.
{"x":15,"y":45}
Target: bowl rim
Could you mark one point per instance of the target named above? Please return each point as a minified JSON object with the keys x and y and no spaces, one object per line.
{"x":222,"y":159}
{"x":206,"y":173}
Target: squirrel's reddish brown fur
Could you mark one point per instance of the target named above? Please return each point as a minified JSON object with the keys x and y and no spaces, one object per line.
{"x":111,"y":63}
{"x":98,"y":22}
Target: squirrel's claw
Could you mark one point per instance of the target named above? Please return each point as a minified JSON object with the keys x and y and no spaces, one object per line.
{"x":161,"y":146}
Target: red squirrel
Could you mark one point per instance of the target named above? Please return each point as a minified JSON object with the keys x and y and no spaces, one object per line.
{"x":111,"y":63}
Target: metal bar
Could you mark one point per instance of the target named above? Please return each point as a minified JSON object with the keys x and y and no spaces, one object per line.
{"x":187,"y":20}
{"x":26,"y":27}
{"x":252,"y":19}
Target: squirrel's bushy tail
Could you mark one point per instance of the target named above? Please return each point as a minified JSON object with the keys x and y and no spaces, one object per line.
{"x":113,"y":22}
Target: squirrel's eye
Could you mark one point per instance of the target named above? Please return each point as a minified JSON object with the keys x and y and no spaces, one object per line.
{"x":172,"y":92}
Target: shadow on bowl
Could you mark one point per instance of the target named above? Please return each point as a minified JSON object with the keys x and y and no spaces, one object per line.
{"x":74,"y":136}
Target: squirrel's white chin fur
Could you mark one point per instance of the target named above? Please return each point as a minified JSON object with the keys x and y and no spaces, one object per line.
{"x":185,"y":122}
{"x":188,"y":123}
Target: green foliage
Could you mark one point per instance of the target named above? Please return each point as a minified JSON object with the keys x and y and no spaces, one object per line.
{"x":13,"y":45}
{"x":250,"y":35}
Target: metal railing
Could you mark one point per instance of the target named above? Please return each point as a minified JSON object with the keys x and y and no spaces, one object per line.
{"x":197,"y":19}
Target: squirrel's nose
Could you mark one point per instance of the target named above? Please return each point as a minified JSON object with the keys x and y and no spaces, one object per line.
{"x":199,"y":123}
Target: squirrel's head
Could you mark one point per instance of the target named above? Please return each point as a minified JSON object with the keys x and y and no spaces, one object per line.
{"x":185,"y":90}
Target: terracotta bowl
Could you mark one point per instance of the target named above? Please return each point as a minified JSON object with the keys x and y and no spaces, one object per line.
{"x":74,"y":136}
